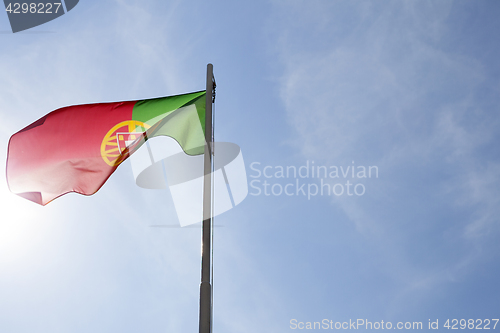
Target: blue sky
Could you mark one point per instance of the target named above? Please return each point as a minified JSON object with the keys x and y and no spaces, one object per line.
{"x":411,"y":87}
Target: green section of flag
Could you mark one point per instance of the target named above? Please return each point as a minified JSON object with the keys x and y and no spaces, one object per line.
{"x":181,"y":117}
{"x":149,"y":111}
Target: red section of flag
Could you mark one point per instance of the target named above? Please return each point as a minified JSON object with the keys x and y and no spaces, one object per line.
{"x":61,"y":152}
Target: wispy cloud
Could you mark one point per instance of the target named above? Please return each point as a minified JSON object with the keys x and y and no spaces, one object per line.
{"x":390,"y":91}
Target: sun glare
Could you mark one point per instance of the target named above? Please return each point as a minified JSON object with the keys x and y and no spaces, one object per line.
{"x":16,"y":224}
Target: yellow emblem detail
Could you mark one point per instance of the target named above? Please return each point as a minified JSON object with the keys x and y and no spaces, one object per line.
{"x":119,"y":138}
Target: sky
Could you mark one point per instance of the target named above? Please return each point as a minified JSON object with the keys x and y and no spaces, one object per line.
{"x":408,"y":88}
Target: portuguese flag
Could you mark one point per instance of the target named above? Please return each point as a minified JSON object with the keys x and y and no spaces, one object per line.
{"x":76,"y":148}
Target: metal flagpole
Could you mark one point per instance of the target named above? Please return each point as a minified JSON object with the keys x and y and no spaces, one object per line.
{"x":205,"y":286}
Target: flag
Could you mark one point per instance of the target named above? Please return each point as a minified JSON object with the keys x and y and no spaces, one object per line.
{"x":77,"y":148}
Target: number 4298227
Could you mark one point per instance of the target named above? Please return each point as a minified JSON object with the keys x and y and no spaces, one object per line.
{"x":33,"y":8}
{"x":478,"y":324}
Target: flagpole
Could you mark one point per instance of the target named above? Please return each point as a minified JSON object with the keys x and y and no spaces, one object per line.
{"x":205,"y":286}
